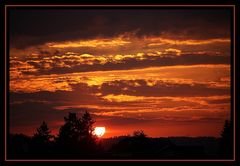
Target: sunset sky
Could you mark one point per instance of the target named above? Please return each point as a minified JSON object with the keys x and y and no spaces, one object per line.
{"x":164,"y":71}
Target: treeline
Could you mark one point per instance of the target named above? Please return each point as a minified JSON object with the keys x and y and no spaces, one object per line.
{"x":76,"y":140}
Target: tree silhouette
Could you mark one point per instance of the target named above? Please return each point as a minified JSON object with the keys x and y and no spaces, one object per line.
{"x":68,"y":137}
{"x":139,"y":134}
{"x":87,"y":124}
{"x":70,"y":131}
{"x":43,"y":133}
{"x":88,"y":140}
{"x":75,"y":136}
{"x":136,"y":145}
{"x":41,"y":139}
{"x":226,"y":141}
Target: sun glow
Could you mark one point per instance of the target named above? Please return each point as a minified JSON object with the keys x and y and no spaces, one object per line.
{"x":99,"y":131}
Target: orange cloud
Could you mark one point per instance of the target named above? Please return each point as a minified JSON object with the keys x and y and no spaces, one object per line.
{"x":17,"y":68}
{"x":198,"y":100}
{"x":125,"y":46}
{"x":90,"y":43}
{"x":102,"y":51}
{"x":173,"y":51}
{"x":183,"y":112}
{"x":162,"y":41}
{"x":182,"y":108}
{"x":123,"y":98}
{"x":205,"y":74}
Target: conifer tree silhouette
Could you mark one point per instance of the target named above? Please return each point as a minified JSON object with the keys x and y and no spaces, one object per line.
{"x":226,"y":141}
{"x":75,"y":136}
{"x":43,"y":133}
{"x":41,"y":140}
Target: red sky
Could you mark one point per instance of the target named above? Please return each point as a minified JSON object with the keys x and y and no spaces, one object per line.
{"x":166,"y":72}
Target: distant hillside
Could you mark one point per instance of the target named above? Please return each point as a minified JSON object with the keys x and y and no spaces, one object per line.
{"x":107,"y":143}
{"x":163,"y":147}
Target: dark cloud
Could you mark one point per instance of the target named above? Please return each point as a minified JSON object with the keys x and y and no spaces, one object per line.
{"x":80,"y":93}
{"x":160,"y":89}
{"x":37,"y":26}
{"x":220,"y":101}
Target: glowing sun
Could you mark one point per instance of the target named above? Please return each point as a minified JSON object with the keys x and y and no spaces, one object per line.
{"x":99,"y":131}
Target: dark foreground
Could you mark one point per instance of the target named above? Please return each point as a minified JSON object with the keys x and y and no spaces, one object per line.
{"x":124,"y":147}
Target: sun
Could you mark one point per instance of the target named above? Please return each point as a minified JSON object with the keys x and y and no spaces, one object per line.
{"x":99,"y":131}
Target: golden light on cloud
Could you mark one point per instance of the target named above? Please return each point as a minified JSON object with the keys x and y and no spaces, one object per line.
{"x":122,"y":98}
{"x":174,"y":51}
{"x":90,"y":43}
{"x":115,"y":50}
{"x":161,"y":41}
{"x":203,"y":100}
{"x":211,"y":75}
